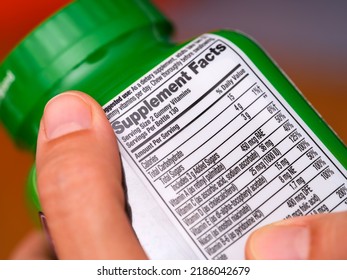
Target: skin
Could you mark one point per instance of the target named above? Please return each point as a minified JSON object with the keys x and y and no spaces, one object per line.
{"x":79,"y":183}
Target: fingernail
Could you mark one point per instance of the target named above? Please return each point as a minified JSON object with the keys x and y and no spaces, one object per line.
{"x":281,"y":242}
{"x":64,"y":114}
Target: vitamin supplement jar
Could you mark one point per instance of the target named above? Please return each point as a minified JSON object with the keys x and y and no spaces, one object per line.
{"x":215,"y":141}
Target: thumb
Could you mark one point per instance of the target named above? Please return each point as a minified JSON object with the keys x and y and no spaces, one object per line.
{"x":80,"y":182}
{"x":320,"y":236}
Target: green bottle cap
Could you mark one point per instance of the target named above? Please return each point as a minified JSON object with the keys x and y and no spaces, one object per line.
{"x":60,"y":44}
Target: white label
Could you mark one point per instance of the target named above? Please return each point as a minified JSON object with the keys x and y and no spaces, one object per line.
{"x":221,"y":150}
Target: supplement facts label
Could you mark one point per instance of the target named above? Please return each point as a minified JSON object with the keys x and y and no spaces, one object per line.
{"x":220,"y":149}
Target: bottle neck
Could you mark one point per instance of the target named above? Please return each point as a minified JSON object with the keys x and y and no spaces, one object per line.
{"x":129,"y":60}
{"x":114,"y":66}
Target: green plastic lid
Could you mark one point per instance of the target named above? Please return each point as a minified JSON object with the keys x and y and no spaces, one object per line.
{"x":60,"y":44}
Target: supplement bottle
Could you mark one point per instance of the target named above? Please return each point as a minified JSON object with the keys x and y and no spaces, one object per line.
{"x":215,"y":140}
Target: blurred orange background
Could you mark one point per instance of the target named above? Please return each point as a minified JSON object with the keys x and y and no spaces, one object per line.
{"x":305,"y":38}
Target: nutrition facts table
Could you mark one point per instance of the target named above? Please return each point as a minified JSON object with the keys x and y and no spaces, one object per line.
{"x":221,"y":149}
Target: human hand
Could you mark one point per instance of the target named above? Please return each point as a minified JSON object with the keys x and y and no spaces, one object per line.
{"x":80,"y":185}
{"x":320,"y":236}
